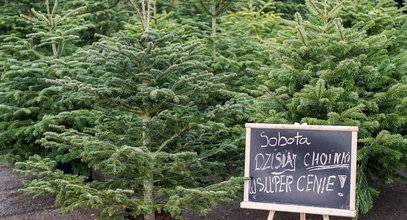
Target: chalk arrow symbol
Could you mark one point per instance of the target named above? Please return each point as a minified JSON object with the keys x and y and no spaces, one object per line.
{"x":342,"y":180}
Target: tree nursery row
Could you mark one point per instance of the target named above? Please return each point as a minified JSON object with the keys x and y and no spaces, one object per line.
{"x":154,"y":94}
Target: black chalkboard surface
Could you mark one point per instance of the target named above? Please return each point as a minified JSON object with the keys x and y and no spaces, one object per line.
{"x":301,"y":168}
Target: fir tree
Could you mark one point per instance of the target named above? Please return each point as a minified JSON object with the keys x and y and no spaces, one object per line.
{"x":106,"y":16}
{"x":156,"y":139}
{"x":214,"y":9}
{"x":143,"y":108}
{"x":326,"y":73}
{"x":241,"y":39}
{"x":26,"y":99}
{"x":289,"y":7}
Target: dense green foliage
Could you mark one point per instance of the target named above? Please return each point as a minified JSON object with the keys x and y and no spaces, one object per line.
{"x":27,"y":61}
{"x":154,"y":94}
{"x":151,"y":129}
{"x":330,"y":72}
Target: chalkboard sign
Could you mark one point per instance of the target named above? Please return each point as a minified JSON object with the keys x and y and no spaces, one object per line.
{"x":301,"y":168}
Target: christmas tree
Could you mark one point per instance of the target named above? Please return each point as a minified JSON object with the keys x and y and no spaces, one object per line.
{"x":158,"y":103}
{"x":107,"y":16}
{"x":156,"y":138}
{"x":41,"y":46}
{"x":327,"y":73}
{"x":289,"y":7}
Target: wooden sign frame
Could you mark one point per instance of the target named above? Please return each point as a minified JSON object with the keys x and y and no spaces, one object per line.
{"x":351,"y":212}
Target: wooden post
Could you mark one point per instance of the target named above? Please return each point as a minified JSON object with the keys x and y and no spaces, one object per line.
{"x":302,"y":216}
{"x":271,"y":215}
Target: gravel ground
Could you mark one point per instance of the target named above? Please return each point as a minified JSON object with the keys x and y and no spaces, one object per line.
{"x":16,"y":206}
{"x":391,"y":205}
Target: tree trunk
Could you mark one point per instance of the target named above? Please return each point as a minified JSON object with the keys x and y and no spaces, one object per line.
{"x":50,"y":18}
{"x":149,"y":196}
{"x":148,"y":183}
{"x":214,"y":26}
{"x":148,"y":15}
{"x":155,"y":9}
{"x":54,"y":50}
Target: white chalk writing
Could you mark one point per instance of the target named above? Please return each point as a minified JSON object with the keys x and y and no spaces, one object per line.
{"x":326,"y":161}
{"x":280,"y":140}
{"x":278,"y":162}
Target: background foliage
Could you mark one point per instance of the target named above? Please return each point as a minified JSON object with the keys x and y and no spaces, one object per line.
{"x":154,"y":94}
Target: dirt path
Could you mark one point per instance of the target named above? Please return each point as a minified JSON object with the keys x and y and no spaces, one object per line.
{"x":15,"y":206}
{"x":392,"y":205}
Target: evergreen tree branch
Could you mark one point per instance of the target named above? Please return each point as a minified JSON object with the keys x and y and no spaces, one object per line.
{"x":164,"y":144}
{"x":123,"y":106}
{"x":139,"y":13}
{"x":206,"y":10}
{"x":314,"y":8}
{"x":157,"y":107}
{"x":223,"y":6}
